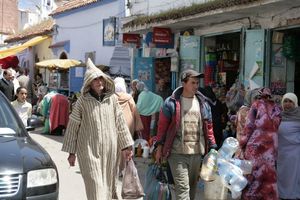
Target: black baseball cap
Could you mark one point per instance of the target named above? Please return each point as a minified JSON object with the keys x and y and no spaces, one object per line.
{"x":190,"y":73}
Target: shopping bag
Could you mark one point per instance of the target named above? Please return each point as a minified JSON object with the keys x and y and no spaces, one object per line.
{"x":131,"y":185}
{"x":156,"y":184}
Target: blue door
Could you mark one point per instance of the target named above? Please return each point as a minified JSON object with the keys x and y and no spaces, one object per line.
{"x":144,"y":71}
{"x":254,"y":58}
{"x":76,"y":78}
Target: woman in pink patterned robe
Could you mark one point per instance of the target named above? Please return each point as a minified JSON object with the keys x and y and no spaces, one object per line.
{"x":241,"y":117}
{"x":259,"y":144}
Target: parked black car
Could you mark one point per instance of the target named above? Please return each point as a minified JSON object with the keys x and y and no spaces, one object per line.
{"x":26,"y":169}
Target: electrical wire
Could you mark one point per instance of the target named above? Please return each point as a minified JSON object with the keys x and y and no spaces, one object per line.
{"x":79,"y":27}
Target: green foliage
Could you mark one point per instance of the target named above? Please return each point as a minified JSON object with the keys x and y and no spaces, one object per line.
{"x":291,"y":48}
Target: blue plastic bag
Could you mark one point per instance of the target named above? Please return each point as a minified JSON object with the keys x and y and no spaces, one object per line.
{"x":156,"y":184}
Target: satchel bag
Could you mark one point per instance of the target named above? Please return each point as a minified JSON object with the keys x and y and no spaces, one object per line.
{"x":131,"y":185}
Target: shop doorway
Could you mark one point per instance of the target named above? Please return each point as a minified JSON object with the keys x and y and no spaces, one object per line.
{"x":63,"y":55}
{"x":221,"y":59}
{"x":285,"y":63}
{"x":163,"y":76}
{"x":59,"y":78}
{"x":297,"y":79}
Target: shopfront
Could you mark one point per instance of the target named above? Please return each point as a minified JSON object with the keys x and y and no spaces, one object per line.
{"x":151,"y":69}
{"x":221,"y":60}
{"x":285,"y":61}
{"x":153,"y":60}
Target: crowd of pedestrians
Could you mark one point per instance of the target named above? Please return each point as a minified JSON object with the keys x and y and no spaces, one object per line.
{"x":184,"y":124}
{"x":33,"y":101}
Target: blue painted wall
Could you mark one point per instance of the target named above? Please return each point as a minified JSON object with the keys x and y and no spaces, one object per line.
{"x":76,"y":82}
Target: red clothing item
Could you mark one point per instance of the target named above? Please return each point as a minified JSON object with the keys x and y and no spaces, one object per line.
{"x":169,"y":122}
{"x":146,"y":120}
{"x":259,"y":142}
{"x":59,"y":111}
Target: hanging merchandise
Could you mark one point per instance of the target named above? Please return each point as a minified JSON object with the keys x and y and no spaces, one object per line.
{"x":10,"y":61}
{"x":210,"y":68}
{"x":289,"y":47}
{"x":221,"y":59}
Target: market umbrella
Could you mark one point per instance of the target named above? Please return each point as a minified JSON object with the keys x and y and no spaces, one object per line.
{"x":59,"y":63}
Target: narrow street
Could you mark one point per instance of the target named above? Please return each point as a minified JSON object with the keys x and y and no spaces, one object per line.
{"x":71,"y":183}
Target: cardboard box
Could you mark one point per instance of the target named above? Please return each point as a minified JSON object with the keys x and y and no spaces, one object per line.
{"x":277,"y":37}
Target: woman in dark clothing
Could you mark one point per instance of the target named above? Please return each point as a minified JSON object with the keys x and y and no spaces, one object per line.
{"x":219,"y":115}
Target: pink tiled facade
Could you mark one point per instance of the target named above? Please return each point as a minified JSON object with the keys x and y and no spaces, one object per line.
{"x":8,"y":16}
{"x":71,"y":5}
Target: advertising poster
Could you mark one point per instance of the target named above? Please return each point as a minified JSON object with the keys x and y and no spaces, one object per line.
{"x":109,"y":31}
{"x":144,"y":71}
{"x":189,"y":52}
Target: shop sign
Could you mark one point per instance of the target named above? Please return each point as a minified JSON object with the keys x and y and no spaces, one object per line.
{"x":131,"y":39}
{"x":148,"y":41}
{"x":162,"y":35}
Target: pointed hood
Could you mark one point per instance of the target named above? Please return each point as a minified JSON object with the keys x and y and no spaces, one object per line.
{"x":93,"y":72}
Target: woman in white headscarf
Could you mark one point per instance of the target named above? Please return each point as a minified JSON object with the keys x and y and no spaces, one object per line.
{"x":288,"y":161}
{"x":96,"y":132}
{"x":128,"y":106}
{"x":131,"y":115}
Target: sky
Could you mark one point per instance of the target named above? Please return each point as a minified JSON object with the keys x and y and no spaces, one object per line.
{"x":28,"y":4}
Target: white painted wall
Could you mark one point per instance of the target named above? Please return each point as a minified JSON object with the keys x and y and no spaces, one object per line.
{"x":40,"y":7}
{"x":27,"y":18}
{"x":148,"y":7}
{"x":2,"y":38}
{"x":41,"y":51}
{"x":47,"y":6}
{"x":84,"y":29}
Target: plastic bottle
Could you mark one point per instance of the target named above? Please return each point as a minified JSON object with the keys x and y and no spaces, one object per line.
{"x":229,"y":147}
{"x":245,"y":165}
{"x":209,"y":166}
{"x":235,"y":194}
{"x":231,"y":176}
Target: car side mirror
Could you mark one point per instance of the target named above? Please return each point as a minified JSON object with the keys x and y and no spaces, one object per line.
{"x":34,"y":122}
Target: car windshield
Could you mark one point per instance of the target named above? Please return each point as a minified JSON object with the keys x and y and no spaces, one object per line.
{"x":9,"y":123}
